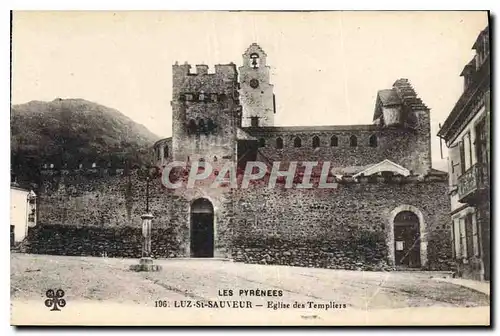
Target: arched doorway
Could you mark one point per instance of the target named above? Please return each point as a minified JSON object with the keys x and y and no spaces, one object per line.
{"x":202,"y":229}
{"x":407,"y":239}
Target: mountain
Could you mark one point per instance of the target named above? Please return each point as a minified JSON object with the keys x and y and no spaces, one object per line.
{"x":68,"y":132}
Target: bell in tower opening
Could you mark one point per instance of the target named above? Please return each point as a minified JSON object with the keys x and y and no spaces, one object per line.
{"x":255,"y":60}
{"x":256,"y":91}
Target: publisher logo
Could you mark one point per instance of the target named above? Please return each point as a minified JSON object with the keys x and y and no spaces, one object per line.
{"x":55,"y":299}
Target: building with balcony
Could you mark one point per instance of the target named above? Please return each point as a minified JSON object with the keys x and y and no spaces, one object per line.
{"x":466,"y":132}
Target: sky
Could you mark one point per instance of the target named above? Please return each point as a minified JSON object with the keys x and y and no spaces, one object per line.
{"x":326,"y":67}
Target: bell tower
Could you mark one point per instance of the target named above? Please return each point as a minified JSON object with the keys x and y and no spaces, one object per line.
{"x":256,"y":93}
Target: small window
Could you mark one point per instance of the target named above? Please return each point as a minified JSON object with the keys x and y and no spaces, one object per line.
{"x":373,"y":141}
{"x":315,"y":142}
{"x":254,"y":121}
{"x":211,"y":126}
{"x":334,"y":141}
{"x":353,"y":141}
{"x":201,"y":126}
{"x":279,"y":143}
{"x":297,"y":142}
{"x":165,"y":152}
{"x":191,"y":127}
{"x":262,"y":142}
{"x":214,"y":97}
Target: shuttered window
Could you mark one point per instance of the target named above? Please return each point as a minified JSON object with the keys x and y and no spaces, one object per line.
{"x":467,"y":151}
{"x":469,"y":234}
{"x":456,"y":236}
{"x":454,"y":163}
{"x":462,"y":157}
{"x":475,"y":236}
{"x":463,"y":241}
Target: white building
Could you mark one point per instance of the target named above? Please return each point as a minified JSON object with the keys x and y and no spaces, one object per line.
{"x":467,"y":134}
{"x":22,"y":213}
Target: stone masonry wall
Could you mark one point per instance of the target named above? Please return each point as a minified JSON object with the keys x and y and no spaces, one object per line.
{"x":89,"y":212}
{"x":404,"y":147}
{"x":95,"y":212}
{"x":346,"y":227}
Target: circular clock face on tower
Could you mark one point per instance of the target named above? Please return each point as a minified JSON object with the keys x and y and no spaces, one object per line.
{"x":254,"y":83}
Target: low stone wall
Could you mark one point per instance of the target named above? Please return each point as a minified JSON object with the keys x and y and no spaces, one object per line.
{"x":365,"y":251}
{"x":125,"y":242}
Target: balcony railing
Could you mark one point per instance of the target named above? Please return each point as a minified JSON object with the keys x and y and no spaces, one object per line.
{"x":472,"y":184}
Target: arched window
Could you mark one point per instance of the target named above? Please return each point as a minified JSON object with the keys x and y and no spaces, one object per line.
{"x":279,"y":143}
{"x":297,"y":142}
{"x":334,"y":141}
{"x":201,"y":96}
{"x":262,"y":142}
{"x":201,"y":126}
{"x":315,"y":142}
{"x":165,"y":152}
{"x":191,"y":127}
{"x":211,"y":126}
{"x":353,"y":141}
{"x":373,"y":141}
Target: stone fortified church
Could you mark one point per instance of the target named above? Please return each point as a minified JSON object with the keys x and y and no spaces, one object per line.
{"x":388,"y":207}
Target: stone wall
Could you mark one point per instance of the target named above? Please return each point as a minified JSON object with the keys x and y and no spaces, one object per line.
{"x":124,"y":242}
{"x":346,"y":227}
{"x":403,"y":146}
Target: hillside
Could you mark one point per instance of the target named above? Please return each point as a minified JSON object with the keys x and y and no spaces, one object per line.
{"x":73,"y":131}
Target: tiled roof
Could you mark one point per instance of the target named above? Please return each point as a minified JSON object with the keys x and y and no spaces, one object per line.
{"x":389,"y":97}
{"x":470,"y":66}
{"x":480,"y":36}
